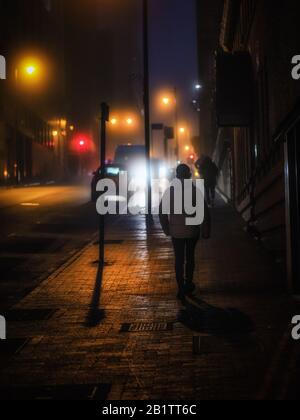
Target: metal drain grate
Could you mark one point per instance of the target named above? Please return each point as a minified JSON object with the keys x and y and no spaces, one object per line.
{"x":29,"y":315}
{"x":12,"y":346}
{"x":147,"y":327}
{"x":59,"y":393}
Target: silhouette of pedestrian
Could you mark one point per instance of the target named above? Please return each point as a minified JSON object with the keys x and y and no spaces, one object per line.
{"x":209,"y":172}
{"x":184,"y":237}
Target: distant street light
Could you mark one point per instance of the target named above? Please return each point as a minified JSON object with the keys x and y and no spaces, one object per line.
{"x":182,"y":130}
{"x":129,"y":121}
{"x":198,"y":86}
{"x":114,"y":121}
{"x":166,"y":101}
{"x":30,"y":70}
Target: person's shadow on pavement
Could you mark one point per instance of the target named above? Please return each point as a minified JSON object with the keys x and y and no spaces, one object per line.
{"x":229,"y":323}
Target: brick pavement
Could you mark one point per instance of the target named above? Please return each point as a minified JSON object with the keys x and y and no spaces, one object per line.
{"x":243,"y":320}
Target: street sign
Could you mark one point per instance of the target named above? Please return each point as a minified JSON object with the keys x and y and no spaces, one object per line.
{"x":169,"y":133}
{"x":157,"y":126}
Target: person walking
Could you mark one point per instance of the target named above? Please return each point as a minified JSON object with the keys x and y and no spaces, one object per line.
{"x":184,"y":238}
{"x":209,"y":172}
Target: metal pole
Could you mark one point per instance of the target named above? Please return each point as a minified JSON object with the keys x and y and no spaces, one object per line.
{"x":176,"y":124}
{"x":166,"y":151}
{"x":102,"y":149}
{"x":147,"y":102}
{"x":16,"y":128}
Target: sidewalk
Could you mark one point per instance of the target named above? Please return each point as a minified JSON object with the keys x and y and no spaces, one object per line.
{"x":233,"y":344}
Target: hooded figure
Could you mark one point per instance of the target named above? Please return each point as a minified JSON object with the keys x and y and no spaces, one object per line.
{"x":184,"y":237}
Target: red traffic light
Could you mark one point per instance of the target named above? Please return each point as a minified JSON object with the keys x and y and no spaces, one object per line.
{"x":82,"y":143}
{"x":191,"y":159}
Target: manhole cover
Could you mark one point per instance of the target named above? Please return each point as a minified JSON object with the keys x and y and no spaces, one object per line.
{"x":147,"y":327}
{"x":12,"y":346}
{"x":60,"y":393}
{"x":29,"y":315}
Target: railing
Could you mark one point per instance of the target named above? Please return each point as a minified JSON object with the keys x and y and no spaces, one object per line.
{"x":270,"y":161}
{"x":263,"y":168}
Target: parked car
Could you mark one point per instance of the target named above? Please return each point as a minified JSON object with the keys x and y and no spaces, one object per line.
{"x":112,"y":171}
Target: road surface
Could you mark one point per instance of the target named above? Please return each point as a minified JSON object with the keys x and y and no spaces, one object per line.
{"x":40,"y":229}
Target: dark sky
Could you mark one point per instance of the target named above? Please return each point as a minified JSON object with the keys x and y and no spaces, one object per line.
{"x":105,"y":46}
{"x":173,"y":48}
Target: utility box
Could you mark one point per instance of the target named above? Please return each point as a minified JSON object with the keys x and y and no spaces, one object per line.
{"x":235,"y":89}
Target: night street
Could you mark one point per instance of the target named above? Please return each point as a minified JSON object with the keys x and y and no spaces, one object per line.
{"x":42,"y":227}
{"x":136,"y":338}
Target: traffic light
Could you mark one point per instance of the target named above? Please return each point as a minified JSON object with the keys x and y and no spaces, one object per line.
{"x":191,"y":159}
{"x":82,"y":143}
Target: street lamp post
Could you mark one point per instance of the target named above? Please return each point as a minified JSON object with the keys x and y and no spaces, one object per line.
{"x":176,"y":123}
{"x":30,"y":70}
{"x":166,"y":102}
{"x":147,"y":102}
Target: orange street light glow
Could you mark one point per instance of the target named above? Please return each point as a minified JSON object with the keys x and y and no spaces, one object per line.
{"x":187,"y":148}
{"x":30,"y":70}
{"x":129,"y":121}
{"x":166,"y":101}
{"x":55,"y":133}
{"x":114,"y":121}
{"x":182,"y":130}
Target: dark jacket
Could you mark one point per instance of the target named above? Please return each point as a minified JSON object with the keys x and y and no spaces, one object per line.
{"x":208,"y":171}
{"x":174,"y":225}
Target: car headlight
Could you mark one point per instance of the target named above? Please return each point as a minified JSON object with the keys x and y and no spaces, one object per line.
{"x":163,"y":172}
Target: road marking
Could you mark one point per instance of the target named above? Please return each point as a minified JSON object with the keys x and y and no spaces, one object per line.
{"x":30,"y":204}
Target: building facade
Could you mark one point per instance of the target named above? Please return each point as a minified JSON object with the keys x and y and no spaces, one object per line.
{"x":259,"y":161}
{"x":31,"y":141}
